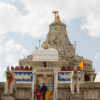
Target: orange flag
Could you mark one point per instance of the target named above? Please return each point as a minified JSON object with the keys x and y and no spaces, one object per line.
{"x":10,"y":79}
{"x":81,"y":64}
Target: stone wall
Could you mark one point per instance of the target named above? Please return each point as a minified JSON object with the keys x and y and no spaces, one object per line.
{"x":88,"y":91}
{"x":1,"y":89}
{"x":23,"y":91}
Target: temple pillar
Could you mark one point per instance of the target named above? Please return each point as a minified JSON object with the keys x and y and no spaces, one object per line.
{"x":82,"y":78}
{"x":11,"y":88}
{"x":54,"y":98}
{"x":55,"y":87}
{"x":91,"y":77}
{"x":55,"y":84}
{"x":6,"y":87}
{"x":77,"y":86}
{"x":33,"y":83}
{"x":72,"y":87}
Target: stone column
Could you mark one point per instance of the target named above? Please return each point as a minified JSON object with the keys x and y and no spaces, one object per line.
{"x":91,"y":77}
{"x":72,"y":87}
{"x":71,"y":84}
{"x":55,"y":84}
{"x":77,"y":86}
{"x":33,"y":83}
{"x":54,"y":97}
{"x":6,"y":87}
{"x":82,"y":78}
{"x":11,"y":88}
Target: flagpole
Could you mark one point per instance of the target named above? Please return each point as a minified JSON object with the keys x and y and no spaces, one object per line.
{"x":75,"y":46}
{"x":39,"y":43}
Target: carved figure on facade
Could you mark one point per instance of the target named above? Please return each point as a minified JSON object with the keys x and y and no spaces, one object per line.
{"x":75,"y":82}
{"x":9,"y":89}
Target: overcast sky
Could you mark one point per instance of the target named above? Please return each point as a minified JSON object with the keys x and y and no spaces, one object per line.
{"x":24,"y":22}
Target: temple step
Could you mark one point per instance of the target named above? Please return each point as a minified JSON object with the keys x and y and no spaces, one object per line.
{"x":75,"y":97}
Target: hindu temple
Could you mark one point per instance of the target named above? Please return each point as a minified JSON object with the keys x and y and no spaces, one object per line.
{"x":55,"y":64}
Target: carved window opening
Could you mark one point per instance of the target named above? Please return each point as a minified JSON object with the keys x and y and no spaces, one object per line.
{"x":87,"y":78}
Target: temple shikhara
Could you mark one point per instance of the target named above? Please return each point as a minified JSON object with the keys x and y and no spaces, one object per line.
{"x":67,"y":75}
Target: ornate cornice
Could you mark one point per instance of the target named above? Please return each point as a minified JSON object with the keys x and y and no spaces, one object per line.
{"x":21,"y":68}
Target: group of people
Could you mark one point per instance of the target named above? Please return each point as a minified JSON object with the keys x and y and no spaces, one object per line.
{"x":42,"y":91}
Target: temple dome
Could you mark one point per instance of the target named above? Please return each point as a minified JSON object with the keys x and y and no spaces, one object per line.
{"x":57,"y":23}
{"x":45,"y":54}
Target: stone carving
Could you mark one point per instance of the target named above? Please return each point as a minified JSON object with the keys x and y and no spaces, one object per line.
{"x":75,"y":82}
{"x":57,"y":37}
{"x":23,"y":94}
{"x":91,"y":77}
{"x":23,"y":76}
{"x":63,"y":94}
{"x":9,"y":88}
{"x":91,"y":94}
{"x":47,"y":79}
{"x":64,"y":76}
{"x":82,"y":75}
{"x":64,"y":85}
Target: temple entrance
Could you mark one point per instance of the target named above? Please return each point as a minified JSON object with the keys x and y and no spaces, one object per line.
{"x":48,"y":80}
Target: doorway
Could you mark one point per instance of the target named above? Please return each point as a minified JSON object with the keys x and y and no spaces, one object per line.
{"x":48,"y":80}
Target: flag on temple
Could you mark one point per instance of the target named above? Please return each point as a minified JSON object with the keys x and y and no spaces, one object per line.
{"x":10,"y":79}
{"x":81,"y":64}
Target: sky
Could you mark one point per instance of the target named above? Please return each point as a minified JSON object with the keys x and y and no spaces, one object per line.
{"x":24,"y":22}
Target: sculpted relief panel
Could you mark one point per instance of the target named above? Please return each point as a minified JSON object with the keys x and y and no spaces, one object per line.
{"x":46,"y":79}
{"x":23,"y":76}
{"x":91,"y":94}
{"x":63,"y":94}
{"x":23,"y":94}
{"x":58,"y":39}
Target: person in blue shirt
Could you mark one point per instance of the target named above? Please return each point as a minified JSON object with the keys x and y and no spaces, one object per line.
{"x":43,"y":89}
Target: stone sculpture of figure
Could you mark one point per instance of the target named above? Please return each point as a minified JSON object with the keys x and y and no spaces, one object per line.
{"x":75,"y":82}
{"x":9,"y":88}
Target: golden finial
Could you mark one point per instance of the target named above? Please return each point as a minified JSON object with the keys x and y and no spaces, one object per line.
{"x":56,"y":17}
{"x":45,"y":47}
{"x":55,"y":13}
